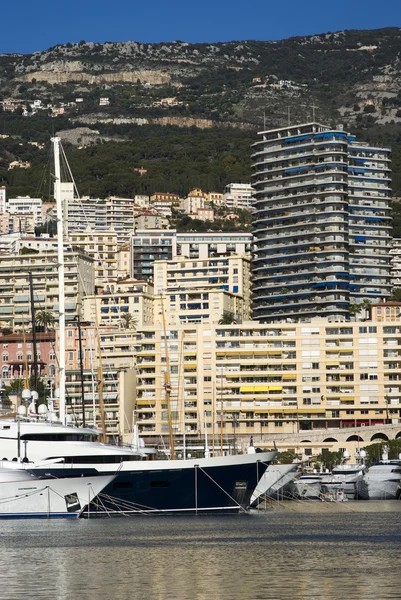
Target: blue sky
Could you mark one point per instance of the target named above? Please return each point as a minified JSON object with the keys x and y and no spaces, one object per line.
{"x":31,"y":26}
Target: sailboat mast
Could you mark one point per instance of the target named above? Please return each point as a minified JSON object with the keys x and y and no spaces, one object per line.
{"x":61,"y":292}
{"x":34,"y":341}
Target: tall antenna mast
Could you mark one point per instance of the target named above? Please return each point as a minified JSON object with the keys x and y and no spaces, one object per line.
{"x":61,"y":291}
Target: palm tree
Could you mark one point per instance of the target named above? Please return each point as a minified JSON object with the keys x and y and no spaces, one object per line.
{"x":354,"y":309}
{"x":395,"y":295}
{"x":128,"y":321}
{"x":45,"y":319}
{"x":227,"y":319}
{"x":367,"y":307}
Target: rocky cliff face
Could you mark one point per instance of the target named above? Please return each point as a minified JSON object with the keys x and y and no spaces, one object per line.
{"x":343,"y":76}
{"x":65,"y":74}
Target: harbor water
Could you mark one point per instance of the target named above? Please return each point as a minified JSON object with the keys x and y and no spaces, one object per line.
{"x":294,"y":551}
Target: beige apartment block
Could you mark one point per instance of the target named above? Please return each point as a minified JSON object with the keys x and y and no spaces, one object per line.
{"x":14,"y":285}
{"x":102,"y":246}
{"x":216,"y":199}
{"x":173,"y":199}
{"x":204,"y":214}
{"x":231,"y":273}
{"x":152,"y":219}
{"x":263,"y":379}
{"x":118,"y":300}
{"x":203,"y":290}
{"x":114,"y":351}
{"x":15,"y":223}
{"x":123,"y":262}
{"x":192,"y":204}
{"x":201,"y":305}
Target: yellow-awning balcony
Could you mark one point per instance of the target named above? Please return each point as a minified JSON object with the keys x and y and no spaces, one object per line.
{"x":254,"y":388}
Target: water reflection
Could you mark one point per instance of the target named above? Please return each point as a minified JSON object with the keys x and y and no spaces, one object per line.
{"x":275,"y":555}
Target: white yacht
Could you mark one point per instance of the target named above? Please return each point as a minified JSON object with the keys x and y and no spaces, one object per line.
{"x":382,"y":481}
{"x":307,"y":486}
{"x":24,"y":494}
{"x":273,"y":480}
{"x":346,"y":477}
{"x":219,"y":483}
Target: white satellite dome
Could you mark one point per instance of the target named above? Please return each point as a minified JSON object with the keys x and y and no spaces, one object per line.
{"x":42,"y":409}
{"x":22,"y":410}
{"x":26,"y":394}
{"x":34,"y":395}
{"x":346,"y":454}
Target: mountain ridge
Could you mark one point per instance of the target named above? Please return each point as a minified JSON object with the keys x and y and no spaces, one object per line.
{"x":124,"y":89}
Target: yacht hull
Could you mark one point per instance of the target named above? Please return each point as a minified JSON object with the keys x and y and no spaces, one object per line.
{"x":371,"y":489}
{"x":23,"y":496}
{"x":220,"y":484}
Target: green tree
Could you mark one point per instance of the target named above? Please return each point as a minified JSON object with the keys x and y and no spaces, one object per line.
{"x":367,"y":307}
{"x":354,"y":309}
{"x":395,"y":295}
{"x":374,"y":451}
{"x":128,"y":321}
{"x":287,"y":457}
{"x":17,"y":385}
{"x":329,"y":459}
{"x":45,"y":319}
{"x":227,"y":318}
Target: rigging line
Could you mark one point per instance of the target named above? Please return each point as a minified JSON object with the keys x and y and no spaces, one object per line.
{"x":98,"y":259}
{"x":107,"y":362}
{"x":219,"y":486}
{"x":44,"y":172}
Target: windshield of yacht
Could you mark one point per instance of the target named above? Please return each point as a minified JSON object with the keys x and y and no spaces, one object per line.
{"x":347,"y":472}
{"x":97,"y":458}
{"x":50,"y":436}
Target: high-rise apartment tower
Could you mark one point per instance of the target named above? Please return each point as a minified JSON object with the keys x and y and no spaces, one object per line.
{"x":321,"y":223}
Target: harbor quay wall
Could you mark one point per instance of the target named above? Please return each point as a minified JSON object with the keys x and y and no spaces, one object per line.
{"x":312,"y":442}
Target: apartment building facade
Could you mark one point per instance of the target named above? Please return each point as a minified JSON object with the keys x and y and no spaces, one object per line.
{"x":203,"y":291}
{"x":120,"y":298}
{"x":17,"y":359}
{"x":148,"y":246}
{"x":238,"y":196}
{"x":395,"y":262}
{"x":25,"y":206}
{"x":321,"y":223}
{"x":14,"y":285}
{"x":263,"y":379}
{"x":102,"y":246}
{"x":108,"y":356}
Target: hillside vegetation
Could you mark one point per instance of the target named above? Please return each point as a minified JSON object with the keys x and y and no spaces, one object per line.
{"x":188,"y":112}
